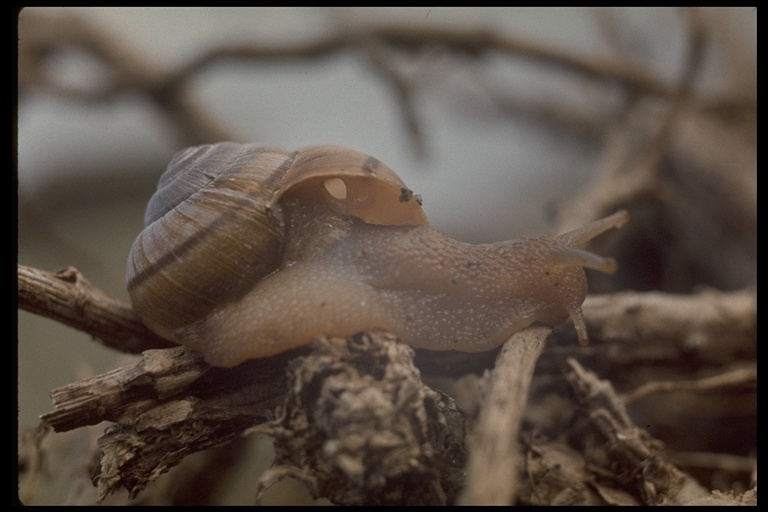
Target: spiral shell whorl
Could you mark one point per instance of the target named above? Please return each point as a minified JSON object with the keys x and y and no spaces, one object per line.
{"x":209,"y":218}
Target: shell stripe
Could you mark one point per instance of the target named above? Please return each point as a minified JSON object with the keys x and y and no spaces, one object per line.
{"x":179,"y":251}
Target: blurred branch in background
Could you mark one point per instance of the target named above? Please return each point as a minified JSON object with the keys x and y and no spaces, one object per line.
{"x":127,"y":71}
{"x":124,"y":70}
{"x":675,"y":148}
{"x":385,"y":48}
{"x":668,"y":147}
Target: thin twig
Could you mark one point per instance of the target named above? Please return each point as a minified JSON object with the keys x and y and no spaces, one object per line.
{"x":68,"y":297}
{"x":494,"y":460}
{"x":740,"y":377}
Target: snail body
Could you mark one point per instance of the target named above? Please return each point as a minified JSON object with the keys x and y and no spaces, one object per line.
{"x":277,"y":248}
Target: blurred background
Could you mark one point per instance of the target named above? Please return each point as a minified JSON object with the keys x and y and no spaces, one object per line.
{"x":506,"y":120}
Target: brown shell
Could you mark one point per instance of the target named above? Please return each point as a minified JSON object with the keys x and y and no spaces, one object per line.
{"x":374,"y":193}
{"x":214,"y":228}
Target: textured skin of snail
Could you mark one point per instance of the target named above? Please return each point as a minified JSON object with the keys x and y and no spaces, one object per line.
{"x":250,"y":251}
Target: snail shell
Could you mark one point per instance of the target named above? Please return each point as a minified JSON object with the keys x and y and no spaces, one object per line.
{"x":214,"y":227}
{"x":250,"y":251}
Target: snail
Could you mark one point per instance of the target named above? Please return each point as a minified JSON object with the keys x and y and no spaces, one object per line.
{"x":250,"y":251}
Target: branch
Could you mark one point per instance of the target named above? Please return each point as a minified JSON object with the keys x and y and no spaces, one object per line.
{"x":735,"y":378}
{"x":495,"y":458}
{"x":456,"y":39}
{"x":68,"y":297}
{"x":629,"y":173}
{"x":382,"y":432}
{"x":126,"y":69}
{"x":638,"y":459}
{"x":712,"y":323}
{"x":166,"y":406}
